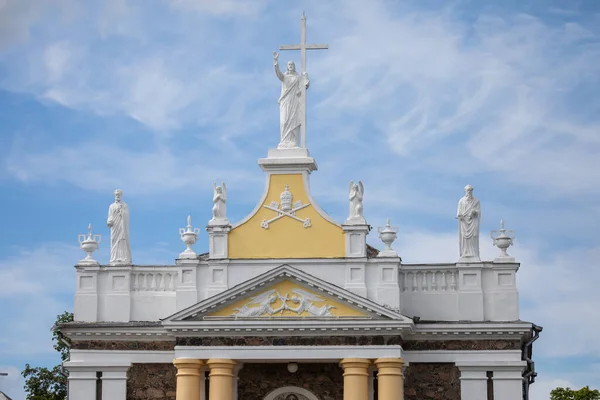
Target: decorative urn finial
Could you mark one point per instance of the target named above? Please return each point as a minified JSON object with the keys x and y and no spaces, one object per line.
{"x":387,"y":236}
{"x":286,"y":199}
{"x":503,"y":239}
{"x":89,"y":243}
{"x":189,"y":236}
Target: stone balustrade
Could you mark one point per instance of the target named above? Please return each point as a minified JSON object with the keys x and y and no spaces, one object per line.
{"x":153,"y":280}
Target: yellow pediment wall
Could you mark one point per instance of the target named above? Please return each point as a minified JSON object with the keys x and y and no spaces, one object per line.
{"x":287,"y":237}
{"x":299,"y":302}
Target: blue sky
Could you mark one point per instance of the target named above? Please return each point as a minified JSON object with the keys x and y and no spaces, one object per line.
{"x":414,"y":98}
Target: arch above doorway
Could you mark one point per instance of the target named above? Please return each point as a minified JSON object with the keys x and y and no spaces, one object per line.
{"x":282,"y":393}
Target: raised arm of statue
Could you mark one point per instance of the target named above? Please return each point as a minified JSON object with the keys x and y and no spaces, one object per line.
{"x":306,"y":80}
{"x":276,"y":64}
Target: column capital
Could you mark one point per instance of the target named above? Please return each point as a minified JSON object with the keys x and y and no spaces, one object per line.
{"x":221,"y":366}
{"x":355,"y":363}
{"x":389,"y":362}
{"x":188,"y":366}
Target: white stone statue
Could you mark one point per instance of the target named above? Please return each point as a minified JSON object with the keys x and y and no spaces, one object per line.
{"x":468,"y":215}
{"x":219,"y":210}
{"x":304,"y":300}
{"x":291,"y":103}
{"x":118,"y":222}
{"x":356,"y":194}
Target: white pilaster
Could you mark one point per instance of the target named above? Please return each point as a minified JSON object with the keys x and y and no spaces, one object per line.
{"x":118,"y":298}
{"x":500,"y":294}
{"x":473,"y":383}
{"x":187,"y":285}
{"x":218,"y":241}
{"x":470,"y":293}
{"x":387,"y":290}
{"x":356,"y":278}
{"x":236,"y":379}
{"x":86,"y":294}
{"x":82,"y":383}
{"x":218,"y":278}
{"x":114,"y":383}
{"x":508,"y":382}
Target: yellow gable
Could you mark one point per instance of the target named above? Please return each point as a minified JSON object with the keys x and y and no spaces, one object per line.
{"x":287,"y":299}
{"x":287,"y":225}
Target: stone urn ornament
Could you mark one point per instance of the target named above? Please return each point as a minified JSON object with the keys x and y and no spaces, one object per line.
{"x":89,"y":243}
{"x":189,"y":236}
{"x":503,"y":239}
{"x":387,"y":236}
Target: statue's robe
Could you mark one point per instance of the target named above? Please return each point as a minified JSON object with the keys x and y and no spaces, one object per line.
{"x":468,"y":214}
{"x":120,"y":251}
{"x":290,"y":107}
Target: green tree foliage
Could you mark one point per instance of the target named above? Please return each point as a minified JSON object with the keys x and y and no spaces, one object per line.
{"x":49,"y":384}
{"x":584,"y":393}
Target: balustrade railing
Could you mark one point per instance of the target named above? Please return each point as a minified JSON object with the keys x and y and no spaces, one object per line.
{"x":153,"y":281}
{"x":428,"y":280}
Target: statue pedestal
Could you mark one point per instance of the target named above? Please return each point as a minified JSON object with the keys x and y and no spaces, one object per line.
{"x":356,"y":240}
{"x":288,"y":160}
{"x":218,"y":241}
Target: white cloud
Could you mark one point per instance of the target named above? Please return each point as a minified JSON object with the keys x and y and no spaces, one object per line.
{"x":102,"y":167}
{"x":37,"y":281}
{"x":496,"y":95}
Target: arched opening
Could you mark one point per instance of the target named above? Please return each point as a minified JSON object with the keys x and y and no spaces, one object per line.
{"x":291,"y":393}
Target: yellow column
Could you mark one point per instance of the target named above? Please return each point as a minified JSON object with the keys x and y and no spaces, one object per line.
{"x":389,"y":378}
{"x":189,"y":378}
{"x":220,"y":379}
{"x":356,"y":378}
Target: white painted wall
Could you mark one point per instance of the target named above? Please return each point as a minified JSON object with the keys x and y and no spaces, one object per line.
{"x":479,"y":292}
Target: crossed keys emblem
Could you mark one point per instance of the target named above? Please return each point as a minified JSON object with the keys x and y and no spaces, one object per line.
{"x":286,"y":209}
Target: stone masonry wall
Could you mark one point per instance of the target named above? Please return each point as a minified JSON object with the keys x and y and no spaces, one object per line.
{"x":151,"y":382}
{"x":325,"y":380}
{"x":432,"y":381}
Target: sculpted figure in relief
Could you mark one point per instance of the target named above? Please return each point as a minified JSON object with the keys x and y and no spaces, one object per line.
{"x":264,"y":301}
{"x":118,"y":222}
{"x":468,"y":215}
{"x":304,"y":300}
{"x":219,"y":210}
{"x":356,"y":195}
{"x":290,"y":103}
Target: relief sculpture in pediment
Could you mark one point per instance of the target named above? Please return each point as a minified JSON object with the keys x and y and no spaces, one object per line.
{"x":261,"y":305}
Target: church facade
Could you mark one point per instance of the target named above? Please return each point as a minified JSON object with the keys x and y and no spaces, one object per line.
{"x":289,"y":304}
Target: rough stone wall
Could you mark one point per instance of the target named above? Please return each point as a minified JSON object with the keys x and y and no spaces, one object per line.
{"x":151,"y":382}
{"x":121,"y":345}
{"x":462,"y":345}
{"x":290,"y":341}
{"x":432,"y":381}
{"x":325,"y":380}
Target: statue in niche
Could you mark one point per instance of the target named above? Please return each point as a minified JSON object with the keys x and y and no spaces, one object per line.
{"x":118,"y":222}
{"x":290,"y":103}
{"x":219,"y":210}
{"x":304,"y":300}
{"x":468,"y":215}
{"x":356,"y":195}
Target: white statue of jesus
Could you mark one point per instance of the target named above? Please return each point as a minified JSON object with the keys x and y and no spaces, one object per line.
{"x":290,"y":103}
{"x":118,"y":222}
{"x":468,"y":215}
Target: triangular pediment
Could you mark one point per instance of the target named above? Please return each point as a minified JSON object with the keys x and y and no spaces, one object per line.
{"x":286,"y":293}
